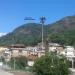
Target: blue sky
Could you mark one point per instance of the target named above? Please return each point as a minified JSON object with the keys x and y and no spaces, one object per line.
{"x":13,"y":12}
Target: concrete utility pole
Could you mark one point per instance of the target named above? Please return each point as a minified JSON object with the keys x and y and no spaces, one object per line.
{"x":42,"y":21}
{"x":14,"y":60}
{"x":14,"y":63}
{"x":47,"y":47}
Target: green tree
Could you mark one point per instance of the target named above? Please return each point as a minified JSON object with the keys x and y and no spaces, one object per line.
{"x":51,"y":65}
{"x":20,"y":62}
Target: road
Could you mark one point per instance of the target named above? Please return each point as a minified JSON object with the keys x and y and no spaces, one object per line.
{"x":72,"y":70}
{"x":2,"y":72}
{"x":73,"y":73}
{"x":5,"y":73}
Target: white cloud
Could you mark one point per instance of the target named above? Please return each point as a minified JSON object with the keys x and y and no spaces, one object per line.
{"x":2,"y":34}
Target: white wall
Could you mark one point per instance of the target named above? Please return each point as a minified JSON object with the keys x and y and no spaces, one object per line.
{"x":30,"y":63}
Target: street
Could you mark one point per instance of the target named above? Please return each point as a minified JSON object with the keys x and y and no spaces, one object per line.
{"x":5,"y":73}
{"x":73,"y":73}
{"x":72,"y":70}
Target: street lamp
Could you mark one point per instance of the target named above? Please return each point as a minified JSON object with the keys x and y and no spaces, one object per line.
{"x":42,"y":21}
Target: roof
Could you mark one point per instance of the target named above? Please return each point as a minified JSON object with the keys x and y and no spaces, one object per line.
{"x":17,"y":45}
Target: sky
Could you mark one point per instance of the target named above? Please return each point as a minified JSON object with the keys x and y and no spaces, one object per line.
{"x":13,"y":12}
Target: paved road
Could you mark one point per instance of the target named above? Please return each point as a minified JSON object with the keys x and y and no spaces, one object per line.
{"x":73,"y":71}
{"x":5,"y":73}
{"x":73,"y":74}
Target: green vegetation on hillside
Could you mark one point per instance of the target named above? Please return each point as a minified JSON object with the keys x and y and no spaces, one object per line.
{"x":62,"y":31}
{"x":66,"y":38}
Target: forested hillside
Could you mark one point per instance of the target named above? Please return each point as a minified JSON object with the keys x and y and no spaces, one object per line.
{"x":62,"y":31}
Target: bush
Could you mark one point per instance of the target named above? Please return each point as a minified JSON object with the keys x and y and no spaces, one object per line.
{"x":20,"y":62}
{"x":51,"y":65}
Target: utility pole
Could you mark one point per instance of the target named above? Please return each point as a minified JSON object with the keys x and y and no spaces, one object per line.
{"x":14,"y":60}
{"x":47,"y":47}
{"x":14,"y":63}
{"x":42,"y":21}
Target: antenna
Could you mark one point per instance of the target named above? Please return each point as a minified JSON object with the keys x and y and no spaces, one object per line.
{"x":30,"y":19}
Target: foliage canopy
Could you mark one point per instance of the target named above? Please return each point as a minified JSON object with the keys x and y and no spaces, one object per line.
{"x":20,"y":62}
{"x":51,"y":65}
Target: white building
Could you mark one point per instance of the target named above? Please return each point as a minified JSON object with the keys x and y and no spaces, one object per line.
{"x":29,"y":48}
{"x":7,"y":54}
{"x":54,"y":47}
{"x":30,"y":63}
{"x":69,"y":52}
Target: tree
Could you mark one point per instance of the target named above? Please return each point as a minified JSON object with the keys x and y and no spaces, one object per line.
{"x":20,"y":62}
{"x":51,"y":65}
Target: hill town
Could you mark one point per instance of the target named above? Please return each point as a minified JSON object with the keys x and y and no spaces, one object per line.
{"x":32,"y":41}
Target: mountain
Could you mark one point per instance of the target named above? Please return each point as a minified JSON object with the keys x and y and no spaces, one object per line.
{"x":65,"y":24}
{"x":62,"y":31}
{"x":28,"y":34}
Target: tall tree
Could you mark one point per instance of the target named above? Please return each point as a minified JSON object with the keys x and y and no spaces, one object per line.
{"x":51,"y":65}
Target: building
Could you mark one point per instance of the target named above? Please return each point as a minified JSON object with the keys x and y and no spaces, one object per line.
{"x":69,"y":52}
{"x":54,"y":47}
{"x":3,"y":48}
{"x":7,"y":55}
{"x":17,"y":50}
